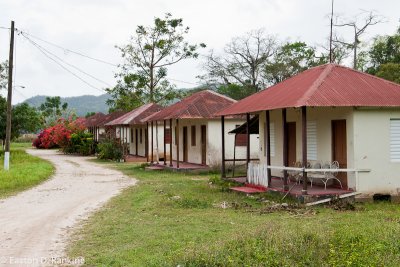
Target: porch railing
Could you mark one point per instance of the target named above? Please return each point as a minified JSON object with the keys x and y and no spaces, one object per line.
{"x":257,"y":173}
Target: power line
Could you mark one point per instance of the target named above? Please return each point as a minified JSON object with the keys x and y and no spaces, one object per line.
{"x":69,"y":50}
{"x":62,"y":66}
{"x":71,"y":65}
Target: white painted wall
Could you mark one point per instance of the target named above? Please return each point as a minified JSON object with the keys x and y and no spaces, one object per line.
{"x":214,"y":144}
{"x":142,"y":145}
{"x":372,"y":151}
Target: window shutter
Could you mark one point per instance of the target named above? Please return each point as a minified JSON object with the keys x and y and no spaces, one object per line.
{"x":312,"y":140}
{"x":272,"y":138}
{"x":395,"y":140}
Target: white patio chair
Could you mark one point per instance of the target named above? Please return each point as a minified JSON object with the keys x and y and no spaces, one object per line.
{"x":316,"y":175}
{"x":332,"y":175}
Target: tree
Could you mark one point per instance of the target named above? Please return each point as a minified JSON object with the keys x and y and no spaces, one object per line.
{"x":289,"y":60}
{"x":243,"y":61}
{"x":3,"y":75}
{"x":358,"y":29}
{"x":235,"y":91}
{"x":384,"y":50}
{"x":52,"y":109}
{"x":389,"y":71}
{"x":152,"y":49}
{"x":26,"y":119}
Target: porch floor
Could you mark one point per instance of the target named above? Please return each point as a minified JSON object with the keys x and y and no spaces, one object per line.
{"x":183,"y":166}
{"x":277,"y":185}
{"x":134,"y":158}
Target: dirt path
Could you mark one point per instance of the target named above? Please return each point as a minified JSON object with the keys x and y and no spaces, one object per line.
{"x":34,"y":224}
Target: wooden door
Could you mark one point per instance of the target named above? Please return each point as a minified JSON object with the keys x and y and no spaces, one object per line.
{"x":203,"y":144}
{"x":136,"y":141}
{"x":185,"y":144}
{"x":291,"y":143}
{"x":339,"y":148}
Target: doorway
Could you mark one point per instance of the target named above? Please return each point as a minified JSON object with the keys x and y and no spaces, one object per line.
{"x":291,"y":143}
{"x":339,"y":148}
{"x":185,"y":144}
{"x":203,"y":145}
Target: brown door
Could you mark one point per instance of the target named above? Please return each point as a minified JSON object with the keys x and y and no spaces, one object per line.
{"x":185,"y":144}
{"x":203,"y":145}
{"x":339,"y":148}
{"x":136,"y":141}
{"x":291,"y":135}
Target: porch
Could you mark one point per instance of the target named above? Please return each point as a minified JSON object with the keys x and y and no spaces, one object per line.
{"x":295,"y":189}
{"x":181,"y":166}
{"x":135,"y":158}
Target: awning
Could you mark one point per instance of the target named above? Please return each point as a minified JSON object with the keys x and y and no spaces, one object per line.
{"x":242,"y":129}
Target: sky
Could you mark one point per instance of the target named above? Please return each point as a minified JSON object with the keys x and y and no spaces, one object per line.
{"x":94,"y":27}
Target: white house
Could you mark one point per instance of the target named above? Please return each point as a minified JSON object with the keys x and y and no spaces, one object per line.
{"x":193,"y":132}
{"x":137,"y":136}
{"x":329,"y":114}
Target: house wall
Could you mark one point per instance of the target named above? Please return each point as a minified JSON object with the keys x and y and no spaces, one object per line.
{"x":372,"y":151}
{"x":323,"y":118}
{"x":142,"y":145}
{"x":213,"y":155}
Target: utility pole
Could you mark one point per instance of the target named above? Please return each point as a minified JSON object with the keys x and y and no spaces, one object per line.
{"x":330,"y":37}
{"x":9,"y":97}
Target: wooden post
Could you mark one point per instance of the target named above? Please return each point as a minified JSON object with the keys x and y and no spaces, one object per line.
{"x":223,"y":174}
{"x":9,"y":97}
{"x":268,"y":144}
{"x":177,"y":143}
{"x":146,"y":144}
{"x":248,"y":140}
{"x":170,"y":143}
{"x":152,"y":142}
{"x":165,"y":144}
{"x":285,"y":150}
{"x":304,"y":147}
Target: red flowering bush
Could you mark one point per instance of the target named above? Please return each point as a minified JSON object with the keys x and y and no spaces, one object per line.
{"x":45,"y":139}
{"x":60,"y":135}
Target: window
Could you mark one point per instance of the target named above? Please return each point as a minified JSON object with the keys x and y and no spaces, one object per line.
{"x":193,"y":135}
{"x":395,"y":140}
{"x":312,"y":140}
{"x":141,"y":135}
{"x":167,"y":137}
{"x":271,"y":138}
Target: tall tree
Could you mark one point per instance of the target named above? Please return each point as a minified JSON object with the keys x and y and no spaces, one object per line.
{"x":384,"y":55}
{"x":152,"y":49}
{"x":26,"y":119}
{"x":368,"y":19}
{"x":242,"y":62}
{"x":52,"y":109}
{"x":291,"y":59}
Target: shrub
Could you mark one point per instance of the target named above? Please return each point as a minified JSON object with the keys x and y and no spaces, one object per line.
{"x":109,"y":149}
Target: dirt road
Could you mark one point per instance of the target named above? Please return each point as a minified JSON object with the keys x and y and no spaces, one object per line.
{"x":34,"y":224}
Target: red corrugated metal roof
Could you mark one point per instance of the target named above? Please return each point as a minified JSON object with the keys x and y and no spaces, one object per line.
{"x":109,"y":117}
{"x":94,"y":119}
{"x":135,"y":116}
{"x":329,"y":85}
{"x":204,"y":104}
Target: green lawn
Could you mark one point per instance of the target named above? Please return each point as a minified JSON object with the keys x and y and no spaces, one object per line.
{"x":25,"y":170}
{"x":172,"y":219}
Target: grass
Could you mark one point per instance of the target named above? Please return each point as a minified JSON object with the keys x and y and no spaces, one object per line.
{"x":25,"y":170}
{"x":172,"y":219}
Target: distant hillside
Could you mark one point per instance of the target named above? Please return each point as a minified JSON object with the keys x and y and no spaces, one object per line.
{"x":81,"y":104}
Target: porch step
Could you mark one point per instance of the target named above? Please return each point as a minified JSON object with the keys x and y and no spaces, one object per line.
{"x":249,"y":189}
{"x":154,"y":168}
